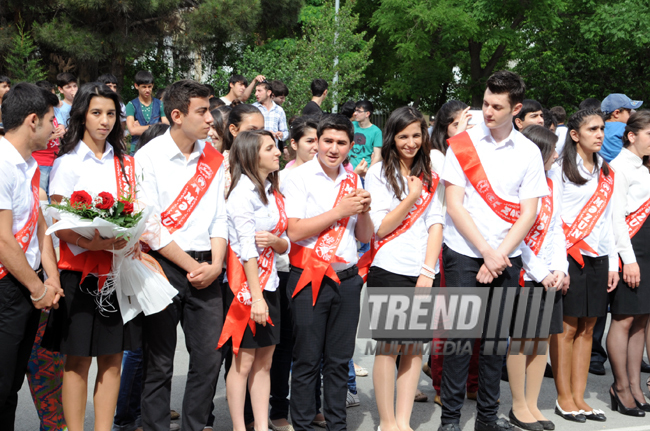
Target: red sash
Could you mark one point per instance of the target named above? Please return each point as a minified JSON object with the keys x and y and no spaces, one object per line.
{"x":587,"y":218}
{"x":99,"y":262}
{"x":174,"y":217}
{"x":537,"y":233}
{"x":636,"y":219}
{"x":239,"y":313}
{"x":24,"y":235}
{"x":316,"y":262}
{"x":470,"y":162}
{"x":416,"y":211}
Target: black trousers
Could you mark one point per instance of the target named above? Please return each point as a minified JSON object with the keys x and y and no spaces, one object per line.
{"x":18,"y":326}
{"x":326,"y":330}
{"x":200,"y":312}
{"x":460,"y":271}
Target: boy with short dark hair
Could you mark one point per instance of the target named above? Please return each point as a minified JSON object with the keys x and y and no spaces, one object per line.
{"x":275,"y":120}
{"x":531,"y":114}
{"x":367,"y":137}
{"x":5,"y":86}
{"x":280,"y":91}
{"x":145,"y":109}
{"x":319,"y":93}
{"x":67,"y":84}
{"x":239,"y":89}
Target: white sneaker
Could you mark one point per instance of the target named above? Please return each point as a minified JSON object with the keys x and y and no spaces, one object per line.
{"x":352,"y":400}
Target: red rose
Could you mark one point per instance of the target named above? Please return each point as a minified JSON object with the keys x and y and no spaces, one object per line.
{"x":128,"y":207}
{"x":105,"y":201}
{"x":80,"y":200}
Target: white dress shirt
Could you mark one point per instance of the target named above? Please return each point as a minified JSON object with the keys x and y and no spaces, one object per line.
{"x":515,"y":170}
{"x":574,"y":198}
{"x":560,"y":132}
{"x":16,"y":194}
{"x":247,"y":214}
{"x":631,"y":190}
{"x":308,"y":193}
{"x":162,"y":171}
{"x":552,"y":255}
{"x":438,"y":164}
{"x":404,"y":254}
{"x":282,"y":260}
{"x":80,"y":169}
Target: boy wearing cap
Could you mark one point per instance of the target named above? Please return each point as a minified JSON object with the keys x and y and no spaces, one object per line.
{"x":617,"y":109}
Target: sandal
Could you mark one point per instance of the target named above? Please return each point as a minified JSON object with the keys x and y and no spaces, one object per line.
{"x":360,"y":371}
{"x":420,"y":397}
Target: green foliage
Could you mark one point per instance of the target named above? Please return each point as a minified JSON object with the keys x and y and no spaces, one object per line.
{"x":22,"y":61}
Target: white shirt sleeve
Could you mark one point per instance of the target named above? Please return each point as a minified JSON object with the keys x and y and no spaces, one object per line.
{"x":295,"y":197}
{"x":157,"y":236}
{"x":452,"y":172}
{"x":534,"y":183}
{"x":7,"y":186}
{"x":532,"y":264}
{"x":62,"y":177}
{"x":242,"y":216}
{"x":382,"y":196}
{"x":219,"y":226}
{"x":621,"y":234}
{"x":435,"y":213}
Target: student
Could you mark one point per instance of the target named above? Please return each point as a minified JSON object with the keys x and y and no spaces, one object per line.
{"x":275,"y":120}
{"x":325,"y":298}
{"x":111,"y":82}
{"x":280,"y":92}
{"x":144,"y":110}
{"x":560,"y":130}
{"x":216,"y":102}
{"x":367,"y":136}
{"x":5,"y":86}
{"x":27,"y":112}
{"x":531,"y":113}
{"x":45,"y":158}
{"x":405,"y":250}
{"x":545,"y":265}
{"x":319,"y":93}
{"x":256,"y":224}
{"x":630,"y":302}
{"x":590,"y":103}
{"x":550,"y":122}
{"x":217,"y":129}
{"x":91,"y":159}
{"x":175,"y":169}
{"x":67,"y":85}
{"x":481,"y":241}
{"x":586,"y":188}
{"x":239,"y":89}
{"x":617,"y":109}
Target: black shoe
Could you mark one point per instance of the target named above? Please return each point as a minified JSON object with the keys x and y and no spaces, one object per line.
{"x":548,"y":372}
{"x":642,"y":406}
{"x":570,"y":416}
{"x":595,"y":415}
{"x":498,"y":425}
{"x":645,"y":367}
{"x":618,"y":406}
{"x":547,"y":425}
{"x":597,"y":368}
{"x":532,"y":426}
{"x":449,"y":427}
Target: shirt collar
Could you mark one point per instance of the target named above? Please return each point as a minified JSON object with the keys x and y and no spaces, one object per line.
{"x":83,"y":151}
{"x":273,"y":106}
{"x":581,"y":165}
{"x":11,"y":153}
{"x":318,"y":169}
{"x":171,"y":150}
{"x":629,"y":156}
{"x":487,"y":136}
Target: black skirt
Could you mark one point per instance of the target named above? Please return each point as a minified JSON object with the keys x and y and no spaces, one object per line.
{"x":265,"y":336}
{"x":587,"y":295}
{"x":556,"y":318}
{"x":625,"y":300}
{"x":79,"y":328}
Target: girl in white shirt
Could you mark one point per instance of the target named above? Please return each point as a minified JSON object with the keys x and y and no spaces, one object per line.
{"x":78,"y":328}
{"x":397,"y":185}
{"x":256,"y":224}
{"x":586,"y":181}
{"x":630,"y":302}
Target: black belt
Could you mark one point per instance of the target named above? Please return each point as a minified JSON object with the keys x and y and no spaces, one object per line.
{"x":200,"y":256}
{"x":342,"y":275}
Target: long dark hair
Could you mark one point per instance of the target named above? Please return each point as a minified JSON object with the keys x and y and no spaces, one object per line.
{"x":399,"y":120}
{"x":245,"y":159}
{"x":443,"y":119}
{"x":236,"y":117}
{"x":570,"y":151}
{"x":298,"y":129}
{"x":77,"y":122}
{"x":638,"y":121}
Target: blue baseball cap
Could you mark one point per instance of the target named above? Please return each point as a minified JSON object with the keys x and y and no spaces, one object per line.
{"x":619,"y":101}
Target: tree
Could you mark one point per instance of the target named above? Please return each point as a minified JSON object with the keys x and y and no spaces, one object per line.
{"x":22,"y":62}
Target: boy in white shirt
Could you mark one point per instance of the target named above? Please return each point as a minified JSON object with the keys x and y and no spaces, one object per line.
{"x":328,"y":212}
{"x":489,"y":212}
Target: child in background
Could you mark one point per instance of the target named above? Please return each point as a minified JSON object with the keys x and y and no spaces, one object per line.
{"x":144,"y":110}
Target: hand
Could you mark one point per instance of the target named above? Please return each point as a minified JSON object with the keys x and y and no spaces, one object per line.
{"x":136,"y":251}
{"x":415,"y":186}
{"x":99,"y":243}
{"x":565,"y":284}
{"x":549,"y":281}
{"x":58,"y":132}
{"x":52,"y":296}
{"x":496,"y":261}
{"x":350,"y":205}
{"x":260,"y":312}
{"x":424,"y":281}
{"x":465,"y":116}
{"x":559,"y":279}
{"x":204,"y":275}
{"x":366,"y":199}
{"x":265,"y":239}
{"x":484,"y":275}
{"x":278,"y":135}
{"x":612,"y":280}
{"x":632,"y":274}
{"x":362,"y":168}
{"x":260,"y":78}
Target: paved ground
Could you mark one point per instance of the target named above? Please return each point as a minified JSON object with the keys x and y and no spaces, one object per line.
{"x":426,"y":416}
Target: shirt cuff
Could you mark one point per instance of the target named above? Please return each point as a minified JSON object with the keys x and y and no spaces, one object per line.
{"x":628,"y":256}
{"x":613,"y":263}
{"x":248,"y":250}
